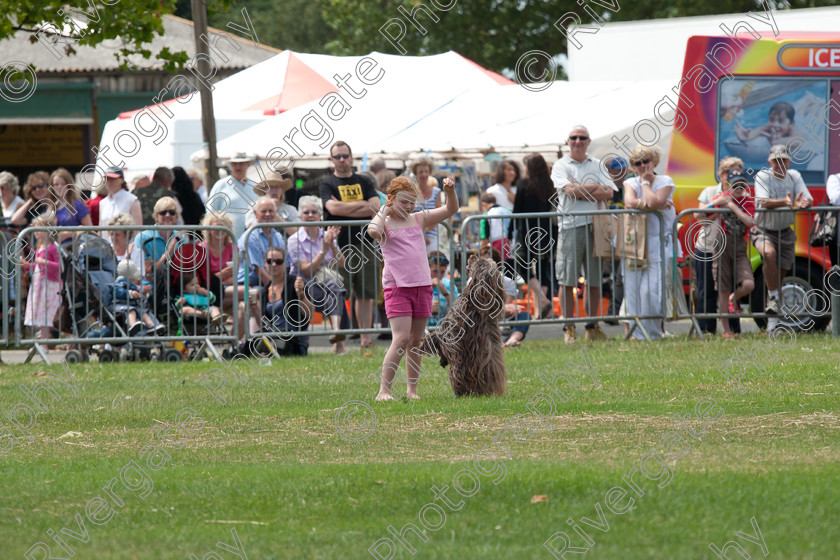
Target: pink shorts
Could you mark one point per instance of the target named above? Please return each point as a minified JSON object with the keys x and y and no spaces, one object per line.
{"x":413,"y":302}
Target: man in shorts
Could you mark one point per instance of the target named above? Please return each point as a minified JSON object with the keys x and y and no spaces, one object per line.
{"x":348,"y":196}
{"x":581,"y":183}
{"x":777,"y":188}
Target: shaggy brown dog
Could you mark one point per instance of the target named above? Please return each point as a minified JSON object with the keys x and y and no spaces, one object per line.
{"x":469,"y":340}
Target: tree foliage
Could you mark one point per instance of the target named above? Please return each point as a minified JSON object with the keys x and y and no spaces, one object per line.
{"x":90,"y":22}
{"x":497,"y":33}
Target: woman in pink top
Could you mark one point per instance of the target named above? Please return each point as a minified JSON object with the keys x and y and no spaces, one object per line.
{"x":406,"y":280}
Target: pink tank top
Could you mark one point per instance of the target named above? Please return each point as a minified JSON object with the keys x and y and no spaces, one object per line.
{"x":406,"y":263}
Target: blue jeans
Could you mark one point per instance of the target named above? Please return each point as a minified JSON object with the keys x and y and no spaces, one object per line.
{"x":521,"y":316}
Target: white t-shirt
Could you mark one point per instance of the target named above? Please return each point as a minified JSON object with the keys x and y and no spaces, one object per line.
{"x":767,"y":185}
{"x":112,"y":205}
{"x":705,"y":241}
{"x":832,"y":189}
{"x":10,"y":210}
{"x":589,"y":170}
{"x":653,"y":225}
{"x":501,"y":195}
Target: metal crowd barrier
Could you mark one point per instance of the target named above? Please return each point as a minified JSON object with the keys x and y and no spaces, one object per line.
{"x":809,"y":294}
{"x":295,"y":323}
{"x":529,"y":246}
{"x":76,"y":297}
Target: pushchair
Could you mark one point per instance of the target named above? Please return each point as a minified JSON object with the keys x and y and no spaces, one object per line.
{"x":88,"y":310}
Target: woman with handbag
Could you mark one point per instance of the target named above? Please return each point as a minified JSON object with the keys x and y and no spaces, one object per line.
{"x":643,"y":273}
{"x":315,"y":256}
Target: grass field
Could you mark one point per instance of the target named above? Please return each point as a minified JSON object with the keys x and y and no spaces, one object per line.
{"x":270,"y":468}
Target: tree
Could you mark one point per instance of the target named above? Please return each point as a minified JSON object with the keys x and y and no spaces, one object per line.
{"x":497,"y":33}
{"x":134,"y":22}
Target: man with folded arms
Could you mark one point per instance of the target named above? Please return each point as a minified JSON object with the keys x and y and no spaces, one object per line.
{"x":581,"y":184}
{"x":777,"y":188}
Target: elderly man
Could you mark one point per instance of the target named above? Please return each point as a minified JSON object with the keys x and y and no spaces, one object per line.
{"x":234,"y":194}
{"x":258,"y":242}
{"x":581,"y":183}
{"x":777,"y":187}
{"x":348,"y":196}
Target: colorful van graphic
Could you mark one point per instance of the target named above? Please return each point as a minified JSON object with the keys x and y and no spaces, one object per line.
{"x":747,"y":96}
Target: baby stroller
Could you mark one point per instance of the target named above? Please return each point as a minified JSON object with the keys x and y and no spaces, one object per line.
{"x":87,"y":293}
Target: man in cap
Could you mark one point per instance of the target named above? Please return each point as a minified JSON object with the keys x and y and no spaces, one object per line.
{"x":777,"y":188}
{"x":234,"y":194}
{"x":275,"y":186}
{"x":117,"y":200}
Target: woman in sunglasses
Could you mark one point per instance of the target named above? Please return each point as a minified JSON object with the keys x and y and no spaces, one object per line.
{"x":284,"y":302}
{"x":649,"y":191}
{"x":38,"y":199}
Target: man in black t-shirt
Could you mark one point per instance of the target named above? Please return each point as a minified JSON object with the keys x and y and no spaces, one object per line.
{"x":348,"y":196}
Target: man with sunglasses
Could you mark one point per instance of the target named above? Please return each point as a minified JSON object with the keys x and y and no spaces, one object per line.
{"x":349,"y":196}
{"x":581,"y":184}
{"x":259,"y":242}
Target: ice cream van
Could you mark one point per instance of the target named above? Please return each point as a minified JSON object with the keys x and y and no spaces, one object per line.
{"x":739,"y":95}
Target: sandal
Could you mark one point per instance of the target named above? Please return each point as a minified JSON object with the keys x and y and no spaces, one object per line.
{"x":729,"y":336}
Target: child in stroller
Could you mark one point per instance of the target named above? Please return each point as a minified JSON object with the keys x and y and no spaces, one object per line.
{"x":129,"y":296}
{"x":196,"y":301}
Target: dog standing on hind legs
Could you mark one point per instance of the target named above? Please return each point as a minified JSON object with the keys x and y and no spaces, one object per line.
{"x":469,"y":340}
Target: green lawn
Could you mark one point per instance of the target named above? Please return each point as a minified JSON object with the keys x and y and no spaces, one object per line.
{"x":270,"y":464}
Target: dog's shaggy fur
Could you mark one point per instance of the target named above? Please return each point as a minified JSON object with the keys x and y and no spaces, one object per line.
{"x":469,"y":340}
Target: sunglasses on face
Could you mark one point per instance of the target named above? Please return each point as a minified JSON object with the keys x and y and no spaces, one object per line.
{"x":275,"y":261}
{"x":40,"y":186}
{"x":341,"y":156}
{"x":167,"y":213}
{"x":641,"y":162}
{"x":581,"y":138}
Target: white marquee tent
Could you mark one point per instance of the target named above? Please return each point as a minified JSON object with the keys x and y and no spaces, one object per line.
{"x":275,"y":86}
{"x":467,"y":124}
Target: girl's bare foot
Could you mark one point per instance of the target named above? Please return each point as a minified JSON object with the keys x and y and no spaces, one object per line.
{"x":412,"y":396}
{"x":385,"y":397}
{"x":339,"y":349}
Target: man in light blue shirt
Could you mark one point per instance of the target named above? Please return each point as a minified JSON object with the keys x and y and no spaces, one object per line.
{"x":234,"y":195}
{"x":258,"y":243}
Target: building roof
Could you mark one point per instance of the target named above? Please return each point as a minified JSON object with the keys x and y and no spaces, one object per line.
{"x":178,"y":36}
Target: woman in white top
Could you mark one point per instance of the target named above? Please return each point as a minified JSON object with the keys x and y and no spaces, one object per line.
{"x":9,"y":188}
{"x":118,"y":201}
{"x":430,"y":195}
{"x":507,"y":177}
{"x":643,"y":287}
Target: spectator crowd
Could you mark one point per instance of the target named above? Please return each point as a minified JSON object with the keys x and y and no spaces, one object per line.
{"x":336,"y":271}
